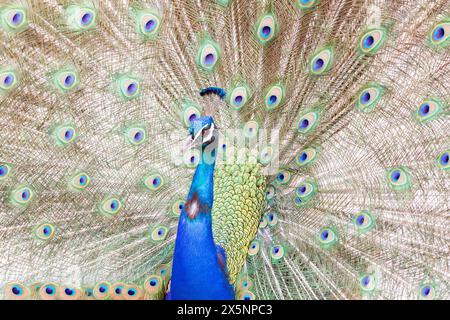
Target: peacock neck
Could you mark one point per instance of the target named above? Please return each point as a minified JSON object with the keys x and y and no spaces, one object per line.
{"x":198,"y":272}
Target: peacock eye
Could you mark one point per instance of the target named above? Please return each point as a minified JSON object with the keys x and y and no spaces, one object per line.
{"x":176,"y":207}
{"x":274,"y":96}
{"x":399,"y":178}
{"x":367,"y":282}
{"x":148,"y":23}
{"x":306,"y":191}
{"x":190,"y":113}
{"x":136,"y":135}
{"x":8,"y":80}
{"x":254,"y":247}
{"x":191,"y":158}
{"x":48,"y":291}
{"x":371,"y":41}
{"x":153,"y":284}
{"x":270,"y":193}
{"x":132,"y":292}
{"x":44,"y":231}
{"x":5,"y":170}
{"x":321,"y":62}
{"x":16,"y":291}
{"x":306,"y":4}
{"x":328,"y":237}
{"x":247,"y":295}
{"x":267,"y":28}
{"x":128,"y":87}
{"x":14,"y":19}
{"x":251,"y":129}
{"x":266,"y":155}
{"x":440,"y":34}
{"x":208,"y":55}
{"x":65,"y":80}
{"x":283,"y":177}
{"x":69,"y":293}
{"x":110,"y":206}
{"x":159,"y":233}
{"x":101,"y":290}
{"x":429,"y":110}
{"x":239,"y":96}
{"x":443,"y":160}
{"x":307,"y":121}
{"x":272,"y":219}
{"x":277,"y":252}
{"x":22,"y":195}
{"x":364,"y":221}
{"x":154,"y":181}
{"x":80,"y":181}
{"x":368,"y":97}
{"x":306,"y":157}
{"x":427,"y":291}
{"x":81,"y":18}
{"x":263,"y":222}
{"x":64,"y":135}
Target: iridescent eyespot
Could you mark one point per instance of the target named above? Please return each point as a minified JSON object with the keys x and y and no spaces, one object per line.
{"x":208,"y":55}
{"x":79,"y":181}
{"x":44,"y":231}
{"x":8,"y":80}
{"x":270,"y":193}
{"x":136,"y":135}
{"x":69,"y":293}
{"x":322,"y":61}
{"x":64,"y":135}
{"x":367,"y":282}
{"x":176,"y":208}
{"x":427,"y":291}
{"x":429,"y":110}
{"x":48,"y":291}
{"x":101,"y":290}
{"x":244,"y":284}
{"x":306,"y":157}
{"x":306,"y":4}
{"x":110,"y":206}
{"x":274,"y":96}
{"x":308,"y":121}
{"x":266,"y":155}
{"x":368,"y":97}
{"x":191,"y":158}
{"x":115,"y":291}
{"x":251,"y":129}
{"x":128,"y":87}
{"x":263,"y":222}
{"x":191,"y":112}
{"x":153,"y":284}
{"x":253,"y":248}
{"x":81,"y":18}
{"x":267,"y":28}
{"x":148,"y":23}
{"x":443,"y":160}
{"x":328,"y":237}
{"x":246,"y":295}
{"x":440,"y":34}
{"x":306,"y":191}
{"x":272,"y":218}
{"x":14,"y":19}
{"x":364,"y":221}
{"x":159,"y":233}
{"x":238,"y":96}
{"x":277,"y":252}
{"x":399,"y":178}
{"x":5,"y":170}
{"x":283,"y":177}
{"x":22,"y":196}
{"x":154,"y":181}
{"x":16,"y":291}
{"x":132,"y":292}
{"x":371,"y":41}
{"x":66,"y":80}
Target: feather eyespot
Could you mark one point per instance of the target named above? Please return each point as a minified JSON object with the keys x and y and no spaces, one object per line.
{"x":148,"y":23}
{"x":429,"y":110}
{"x":44,"y":231}
{"x":277,"y":253}
{"x":159,"y":233}
{"x":371,"y":41}
{"x":16,"y":291}
{"x":267,"y":28}
{"x":48,"y":291}
{"x":116,"y":291}
{"x":5,"y":170}
{"x":22,"y":196}
{"x":399,"y":178}
{"x":440,"y":34}
{"x":154,"y":181}
{"x":132,"y":292}
{"x":208,"y":55}
{"x":368,"y":97}
{"x":110,"y":206}
{"x":176,"y":208}
{"x":272,"y":219}
{"x":64,"y":135}
{"x":136,"y":135}
{"x":364,"y":221}
{"x":69,"y":293}
{"x":367,"y":282}
{"x":246,"y":295}
{"x":270,"y":193}
{"x":254,"y":247}
{"x":443,"y":160}
{"x":306,"y":191}
{"x":274,"y":96}
{"x":8,"y":80}
{"x":322,"y":61}
{"x":251,"y":129}
{"x":283,"y":177}
{"x":128,"y":87}
{"x":306,"y":156}
{"x":427,"y":291}
{"x":66,"y":80}
{"x":14,"y":19}
{"x":238,"y":96}
{"x":328,"y":237}
{"x":266,"y":155}
{"x":101,"y":290}
{"x":81,"y":18}
{"x":153,"y":284}
{"x":308,"y":121}
{"x":80,"y":181}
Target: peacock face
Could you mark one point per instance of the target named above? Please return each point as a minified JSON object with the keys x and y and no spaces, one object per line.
{"x":202,"y":129}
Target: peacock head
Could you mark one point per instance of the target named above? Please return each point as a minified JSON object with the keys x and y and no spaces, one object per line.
{"x":202,"y":130}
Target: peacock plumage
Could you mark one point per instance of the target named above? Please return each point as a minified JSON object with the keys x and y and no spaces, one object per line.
{"x":316,"y":167}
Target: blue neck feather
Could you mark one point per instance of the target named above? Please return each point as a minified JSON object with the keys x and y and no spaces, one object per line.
{"x":199,"y":268}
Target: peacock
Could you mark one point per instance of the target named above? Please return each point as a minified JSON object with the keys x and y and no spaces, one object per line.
{"x":224,"y":149}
